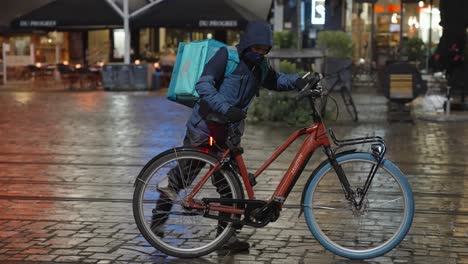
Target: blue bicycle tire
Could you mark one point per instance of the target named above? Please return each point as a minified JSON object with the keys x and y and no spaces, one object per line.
{"x":343,"y":251}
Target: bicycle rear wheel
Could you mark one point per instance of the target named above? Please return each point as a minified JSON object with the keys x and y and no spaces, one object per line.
{"x":378,"y":227}
{"x":168,"y":224}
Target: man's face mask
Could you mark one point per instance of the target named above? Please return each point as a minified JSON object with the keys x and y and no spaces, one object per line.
{"x":257,"y":53}
{"x":254,"y":56}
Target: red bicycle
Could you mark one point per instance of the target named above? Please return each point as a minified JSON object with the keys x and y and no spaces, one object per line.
{"x":356,"y":204}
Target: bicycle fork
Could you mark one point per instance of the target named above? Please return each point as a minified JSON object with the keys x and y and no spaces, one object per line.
{"x":347,"y":190}
{"x":378,"y":152}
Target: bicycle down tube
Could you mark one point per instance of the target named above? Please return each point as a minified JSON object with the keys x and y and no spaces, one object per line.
{"x":317,"y":136}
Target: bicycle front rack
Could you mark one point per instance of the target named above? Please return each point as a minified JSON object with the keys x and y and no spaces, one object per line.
{"x":378,"y":148}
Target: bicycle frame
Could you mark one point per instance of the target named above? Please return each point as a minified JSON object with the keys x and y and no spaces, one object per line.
{"x":317,"y":137}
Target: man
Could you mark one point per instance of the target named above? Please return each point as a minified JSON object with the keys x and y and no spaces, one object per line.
{"x":231,"y":96}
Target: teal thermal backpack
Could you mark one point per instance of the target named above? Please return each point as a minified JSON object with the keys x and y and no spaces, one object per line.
{"x":190,"y":61}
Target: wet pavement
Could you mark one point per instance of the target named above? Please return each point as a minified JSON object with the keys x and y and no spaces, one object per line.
{"x":68,"y":160}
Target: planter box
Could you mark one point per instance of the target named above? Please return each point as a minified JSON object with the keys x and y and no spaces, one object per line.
{"x":127,"y":77}
{"x":402,"y":82}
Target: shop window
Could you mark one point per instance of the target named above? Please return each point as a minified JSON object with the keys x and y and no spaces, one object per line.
{"x":20,"y":46}
{"x":119,"y":43}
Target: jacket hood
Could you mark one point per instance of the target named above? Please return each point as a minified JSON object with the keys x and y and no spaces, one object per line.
{"x":256,"y":33}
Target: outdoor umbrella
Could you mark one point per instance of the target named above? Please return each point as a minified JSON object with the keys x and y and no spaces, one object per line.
{"x":69,"y":15}
{"x":200,"y":13}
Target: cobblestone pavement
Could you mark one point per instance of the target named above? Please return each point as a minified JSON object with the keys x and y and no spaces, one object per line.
{"x":68,"y":161}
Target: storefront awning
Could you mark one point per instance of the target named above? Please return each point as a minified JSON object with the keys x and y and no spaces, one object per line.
{"x":69,"y":15}
{"x":12,"y":9}
{"x":195,"y":14}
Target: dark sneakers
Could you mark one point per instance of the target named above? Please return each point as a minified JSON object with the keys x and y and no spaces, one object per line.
{"x":235,"y":245}
{"x":158,"y":230}
{"x":157,"y":223}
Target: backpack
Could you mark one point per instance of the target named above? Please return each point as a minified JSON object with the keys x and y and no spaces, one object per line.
{"x":190,"y":61}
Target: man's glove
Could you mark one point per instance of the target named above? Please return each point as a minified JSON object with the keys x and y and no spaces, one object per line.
{"x":235,"y":114}
{"x":300,"y":83}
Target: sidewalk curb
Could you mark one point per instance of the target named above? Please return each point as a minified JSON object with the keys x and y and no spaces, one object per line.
{"x":440,"y":118}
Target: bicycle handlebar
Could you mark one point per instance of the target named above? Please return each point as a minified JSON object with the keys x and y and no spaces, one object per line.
{"x":312,"y":88}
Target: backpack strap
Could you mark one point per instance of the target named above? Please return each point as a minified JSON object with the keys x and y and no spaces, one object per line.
{"x":233,"y":60}
{"x":264,"y":69}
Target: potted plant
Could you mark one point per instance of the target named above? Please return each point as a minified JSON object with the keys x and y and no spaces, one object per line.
{"x":414,"y":51}
{"x":284,"y":39}
{"x":338,"y":48}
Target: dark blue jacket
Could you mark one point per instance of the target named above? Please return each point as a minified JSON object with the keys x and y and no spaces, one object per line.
{"x":218,"y":92}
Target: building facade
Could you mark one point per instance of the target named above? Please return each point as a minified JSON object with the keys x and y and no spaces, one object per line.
{"x":379,"y":28}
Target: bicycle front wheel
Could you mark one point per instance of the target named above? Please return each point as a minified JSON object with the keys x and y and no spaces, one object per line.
{"x":378,"y":226}
{"x":166,"y":221}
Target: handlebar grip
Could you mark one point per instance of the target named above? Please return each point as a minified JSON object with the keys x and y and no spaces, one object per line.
{"x":311,"y":88}
{"x":303,"y":93}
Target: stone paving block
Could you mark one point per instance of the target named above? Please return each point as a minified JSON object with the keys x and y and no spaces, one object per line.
{"x":97,"y":249}
{"x":65,"y":259}
{"x":38,"y":258}
{"x":97,"y":242}
{"x":102,"y":256}
{"x":36,"y":251}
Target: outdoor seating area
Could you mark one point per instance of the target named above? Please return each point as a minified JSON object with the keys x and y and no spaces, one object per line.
{"x":69,"y":76}
{"x":84,"y":77}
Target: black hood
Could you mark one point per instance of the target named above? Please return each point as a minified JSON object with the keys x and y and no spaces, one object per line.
{"x":256,"y":33}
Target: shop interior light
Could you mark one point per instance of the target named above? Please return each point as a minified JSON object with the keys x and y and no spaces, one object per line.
{"x":137,"y":62}
{"x":100,"y":64}
{"x":65,"y":63}
{"x":156,"y":65}
{"x":78,"y":66}
{"x":421,"y":3}
{"x":413,"y":21}
{"x":394,"y":18}
{"x":38,"y":64}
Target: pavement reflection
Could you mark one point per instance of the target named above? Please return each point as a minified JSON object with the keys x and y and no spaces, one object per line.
{"x":68,"y":161}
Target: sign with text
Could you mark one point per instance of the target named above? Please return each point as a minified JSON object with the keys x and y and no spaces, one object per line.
{"x":217,"y":23}
{"x":318,"y":12}
{"x":37,"y":23}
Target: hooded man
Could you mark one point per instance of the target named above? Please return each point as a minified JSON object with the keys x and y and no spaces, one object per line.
{"x":230,"y":96}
